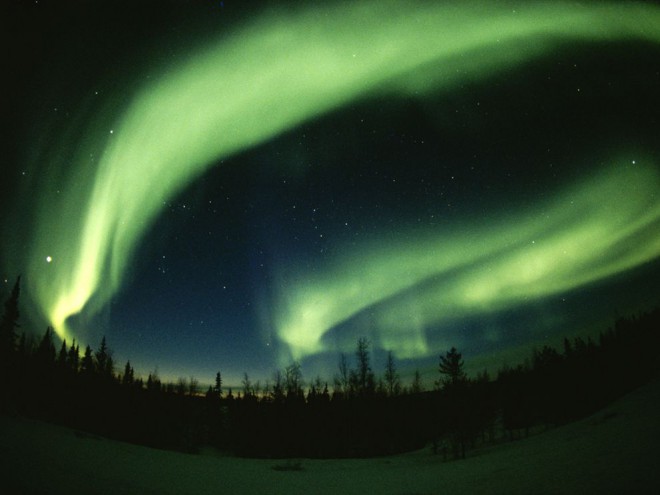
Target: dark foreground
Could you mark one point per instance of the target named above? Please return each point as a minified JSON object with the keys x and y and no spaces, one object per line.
{"x":612,"y":451}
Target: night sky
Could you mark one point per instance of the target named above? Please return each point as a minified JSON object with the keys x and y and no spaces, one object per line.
{"x":221,"y":187}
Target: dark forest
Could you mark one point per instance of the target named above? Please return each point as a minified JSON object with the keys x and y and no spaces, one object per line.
{"x":359,"y":413}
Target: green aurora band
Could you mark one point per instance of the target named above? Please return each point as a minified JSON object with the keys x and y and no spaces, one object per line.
{"x":590,"y":231}
{"x":284,"y":69}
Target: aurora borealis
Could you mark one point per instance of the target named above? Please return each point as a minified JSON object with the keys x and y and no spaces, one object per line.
{"x":234,"y":100}
{"x":408,"y":289}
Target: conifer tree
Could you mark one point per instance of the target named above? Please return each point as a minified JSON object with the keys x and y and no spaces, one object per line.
{"x":87,"y":364}
{"x":9,"y":322}
{"x":62,"y":356}
{"x":73,"y":358}
{"x":217,"y":389}
{"x":451,"y":368}
{"x":104,"y":362}
{"x":46,"y":349}
{"x":102,"y":356}
{"x":363,"y":375}
{"x":128,"y":377}
{"x":458,"y":411}
{"x":153,"y":382}
{"x":391,"y":376}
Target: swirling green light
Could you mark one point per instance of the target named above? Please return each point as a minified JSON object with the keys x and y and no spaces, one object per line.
{"x":264,"y":79}
{"x":606,"y":225}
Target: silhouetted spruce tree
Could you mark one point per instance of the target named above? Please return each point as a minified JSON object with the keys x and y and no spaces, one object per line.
{"x":451,"y":369}
{"x":87,"y":367}
{"x":456,"y":401}
{"x":46,"y":350}
{"x":545,"y":358}
{"x":153,"y":383}
{"x":73,"y":357}
{"x":9,"y":324}
{"x":217,"y":389}
{"x":311,"y":393}
{"x":391,"y":376}
{"x":62,"y":356}
{"x":315,"y":390}
{"x":128,"y":378}
{"x":104,"y":360}
{"x":364,"y":377}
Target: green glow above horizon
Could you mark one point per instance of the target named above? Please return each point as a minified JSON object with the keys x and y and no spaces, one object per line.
{"x":590,"y":231}
{"x":271,"y":76}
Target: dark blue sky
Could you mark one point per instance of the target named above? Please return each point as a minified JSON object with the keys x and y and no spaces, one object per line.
{"x":208,"y":286}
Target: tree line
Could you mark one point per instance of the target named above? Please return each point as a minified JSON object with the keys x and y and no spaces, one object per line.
{"x":357,"y":414}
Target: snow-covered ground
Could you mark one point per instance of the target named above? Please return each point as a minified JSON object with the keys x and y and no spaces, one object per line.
{"x":613,"y":451}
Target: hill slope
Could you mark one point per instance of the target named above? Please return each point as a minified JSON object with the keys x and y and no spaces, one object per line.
{"x":613,"y":451}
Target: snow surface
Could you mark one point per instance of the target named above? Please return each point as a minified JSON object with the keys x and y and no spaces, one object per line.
{"x":613,"y":451}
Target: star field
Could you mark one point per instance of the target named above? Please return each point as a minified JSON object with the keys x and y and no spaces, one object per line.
{"x":238,"y":187}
